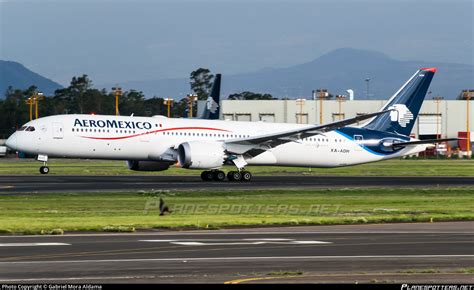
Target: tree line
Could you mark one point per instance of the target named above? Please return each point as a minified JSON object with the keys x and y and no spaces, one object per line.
{"x":80,"y":97}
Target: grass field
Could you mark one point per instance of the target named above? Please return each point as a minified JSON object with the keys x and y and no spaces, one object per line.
{"x":53,"y":213}
{"x":397,"y":167}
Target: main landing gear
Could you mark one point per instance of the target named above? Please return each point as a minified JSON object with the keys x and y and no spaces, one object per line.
{"x":43,"y":169}
{"x":218,"y":175}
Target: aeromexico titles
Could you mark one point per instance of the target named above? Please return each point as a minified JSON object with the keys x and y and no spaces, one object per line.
{"x":156,"y":143}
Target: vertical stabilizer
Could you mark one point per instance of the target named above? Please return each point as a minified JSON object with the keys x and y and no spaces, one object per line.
{"x":212,"y":107}
{"x":406,"y":103}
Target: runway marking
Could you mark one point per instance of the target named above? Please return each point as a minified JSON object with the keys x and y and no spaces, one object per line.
{"x":269,"y":239}
{"x":32,"y":244}
{"x":158,"y":241}
{"x":310,"y":242}
{"x":217,"y":244}
{"x":242,"y":259}
{"x":238,"y":281}
{"x":243,"y":242}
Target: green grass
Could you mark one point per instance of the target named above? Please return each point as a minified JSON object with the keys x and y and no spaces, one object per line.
{"x":465,"y":271}
{"x":285,"y":273}
{"x":396,"y":167}
{"x":51,"y":213}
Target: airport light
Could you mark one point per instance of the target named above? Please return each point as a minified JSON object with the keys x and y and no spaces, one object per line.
{"x":168,"y":102}
{"x":320,"y":95}
{"x":30,"y":101}
{"x":340,"y":99}
{"x":367,"y":80}
{"x":437,"y":100}
{"x":37,"y":97}
{"x":191,"y":99}
{"x":301,"y":103}
{"x":34,"y":100}
{"x":468,"y":127}
{"x":117,"y":92}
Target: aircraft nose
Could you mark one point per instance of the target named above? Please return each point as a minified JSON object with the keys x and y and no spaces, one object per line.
{"x":11,"y":142}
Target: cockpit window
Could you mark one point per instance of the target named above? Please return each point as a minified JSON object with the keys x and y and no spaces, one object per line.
{"x":30,"y":129}
{"x":22,"y":128}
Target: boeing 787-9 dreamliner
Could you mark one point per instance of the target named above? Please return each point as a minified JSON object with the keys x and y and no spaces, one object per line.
{"x":156,"y":143}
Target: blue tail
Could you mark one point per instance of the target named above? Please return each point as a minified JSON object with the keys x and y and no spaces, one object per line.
{"x":212,"y":107}
{"x":407,"y":102}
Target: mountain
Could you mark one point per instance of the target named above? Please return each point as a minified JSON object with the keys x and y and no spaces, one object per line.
{"x":337,"y":71}
{"x":19,"y":77}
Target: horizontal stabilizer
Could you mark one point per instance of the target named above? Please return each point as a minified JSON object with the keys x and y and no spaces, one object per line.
{"x":431,"y":141}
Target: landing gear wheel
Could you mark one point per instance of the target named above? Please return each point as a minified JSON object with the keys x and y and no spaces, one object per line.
{"x":219,"y":175}
{"x":234,"y":176}
{"x":207,"y":175}
{"x":246,"y":176}
{"x":44,"y":169}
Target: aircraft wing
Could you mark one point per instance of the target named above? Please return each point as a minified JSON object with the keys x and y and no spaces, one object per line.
{"x":256,"y":145}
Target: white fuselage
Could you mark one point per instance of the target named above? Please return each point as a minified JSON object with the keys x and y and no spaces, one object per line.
{"x":150,"y":138}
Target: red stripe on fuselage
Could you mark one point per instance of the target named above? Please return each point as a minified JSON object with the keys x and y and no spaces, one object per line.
{"x":156,"y":131}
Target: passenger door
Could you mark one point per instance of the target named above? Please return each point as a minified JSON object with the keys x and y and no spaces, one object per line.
{"x":58,"y":131}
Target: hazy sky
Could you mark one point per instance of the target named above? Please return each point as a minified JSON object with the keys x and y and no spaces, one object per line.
{"x":116,"y":41}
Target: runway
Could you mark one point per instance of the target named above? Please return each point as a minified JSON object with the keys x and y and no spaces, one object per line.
{"x":397,"y":252}
{"x":70,"y":183}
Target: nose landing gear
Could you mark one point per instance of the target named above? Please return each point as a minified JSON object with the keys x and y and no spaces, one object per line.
{"x":43,"y":169}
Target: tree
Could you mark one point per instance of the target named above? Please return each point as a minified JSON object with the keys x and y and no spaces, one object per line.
{"x":154,"y":106}
{"x":14,"y":112}
{"x":180,"y":108}
{"x":251,"y":96}
{"x":75,"y":96}
{"x":201,"y":82}
{"x":132,"y":102}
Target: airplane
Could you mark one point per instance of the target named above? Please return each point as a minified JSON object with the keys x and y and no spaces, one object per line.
{"x":156,"y":143}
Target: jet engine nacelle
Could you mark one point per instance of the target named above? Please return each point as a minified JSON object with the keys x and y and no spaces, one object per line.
{"x":147,"y":165}
{"x":201,"y":155}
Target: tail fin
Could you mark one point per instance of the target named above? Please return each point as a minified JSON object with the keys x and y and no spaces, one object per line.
{"x":406,"y":103}
{"x":212,"y":107}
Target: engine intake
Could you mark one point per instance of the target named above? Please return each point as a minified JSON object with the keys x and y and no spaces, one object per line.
{"x":201,"y":155}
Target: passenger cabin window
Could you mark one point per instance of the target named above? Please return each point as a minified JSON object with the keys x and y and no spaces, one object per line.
{"x":30,"y":129}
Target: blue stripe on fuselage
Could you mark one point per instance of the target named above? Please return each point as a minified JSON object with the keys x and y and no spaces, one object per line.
{"x":349,"y":132}
{"x":360,"y":145}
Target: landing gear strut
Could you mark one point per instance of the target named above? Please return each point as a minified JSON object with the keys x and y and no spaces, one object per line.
{"x":43,"y":169}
